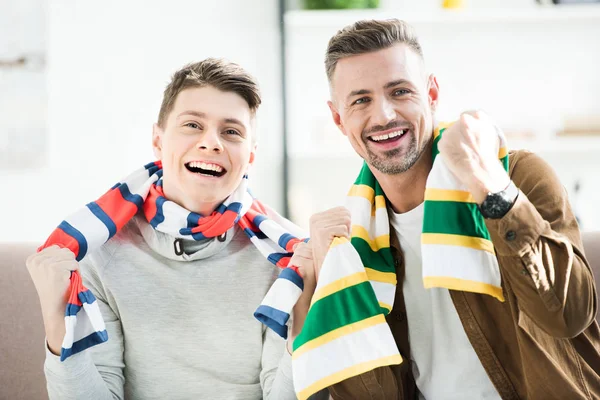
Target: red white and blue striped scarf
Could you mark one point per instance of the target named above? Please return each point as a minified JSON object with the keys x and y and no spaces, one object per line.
{"x":97,"y":222}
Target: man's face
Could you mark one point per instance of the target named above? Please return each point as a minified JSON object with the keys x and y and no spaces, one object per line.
{"x":383,"y":102}
{"x":205,"y":147}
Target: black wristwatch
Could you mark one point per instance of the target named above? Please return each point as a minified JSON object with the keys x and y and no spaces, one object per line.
{"x":496,"y":205}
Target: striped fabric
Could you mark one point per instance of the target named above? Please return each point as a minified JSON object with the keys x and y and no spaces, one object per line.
{"x":90,"y":227}
{"x":456,"y":247}
{"x":345,"y":332}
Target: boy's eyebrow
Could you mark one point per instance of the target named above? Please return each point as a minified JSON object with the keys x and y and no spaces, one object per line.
{"x":203,"y":115}
{"x":233,"y":121}
{"x":194,"y":113}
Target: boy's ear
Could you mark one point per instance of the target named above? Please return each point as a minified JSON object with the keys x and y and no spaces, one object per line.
{"x":157,"y":133}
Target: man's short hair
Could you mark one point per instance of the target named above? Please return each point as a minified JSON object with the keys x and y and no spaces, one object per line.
{"x":367,"y":36}
{"x":223,"y":75}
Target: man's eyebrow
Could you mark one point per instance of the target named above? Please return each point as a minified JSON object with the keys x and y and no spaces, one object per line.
{"x":358,"y":93}
{"x":386,"y":86}
{"x":395,"y":83}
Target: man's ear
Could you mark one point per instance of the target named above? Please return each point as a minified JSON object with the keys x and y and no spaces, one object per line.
{"x":157,"y":133}
{"x":252,"y":154}
{"x":433,"y":92}
{"x":335,"y":115}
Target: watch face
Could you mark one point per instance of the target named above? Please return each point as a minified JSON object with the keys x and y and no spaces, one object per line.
{"x":496,"y":206}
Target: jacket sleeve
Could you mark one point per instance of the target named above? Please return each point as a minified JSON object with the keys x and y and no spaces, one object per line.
{"x":539,"y":247}
{"x":377,"y":384}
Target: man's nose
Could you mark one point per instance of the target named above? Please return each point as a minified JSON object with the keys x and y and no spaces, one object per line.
{"x":384,"y":113}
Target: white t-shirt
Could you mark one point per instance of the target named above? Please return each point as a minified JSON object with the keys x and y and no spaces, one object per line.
{"x":445,"y":366}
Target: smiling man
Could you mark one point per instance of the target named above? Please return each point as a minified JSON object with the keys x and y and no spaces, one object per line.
{"x":174,"y":259}
{"x":494,"y":298}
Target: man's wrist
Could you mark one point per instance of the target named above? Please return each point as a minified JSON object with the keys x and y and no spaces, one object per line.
{"x":299,"y":314}
{"x":289,"y":344}
{"x":300,"y":311}
{"x":497,"y":205}
{"x":488,"y":181}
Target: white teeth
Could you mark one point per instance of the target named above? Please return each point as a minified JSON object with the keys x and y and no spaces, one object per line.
{"x":203,"y":165}
{"x":388,"y":136}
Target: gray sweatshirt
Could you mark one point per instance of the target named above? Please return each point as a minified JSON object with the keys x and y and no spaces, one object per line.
{"x":179,"y":326}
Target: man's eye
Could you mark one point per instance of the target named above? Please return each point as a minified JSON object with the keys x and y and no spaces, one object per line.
{"x":400,"y":92}
{"x":362,"y":100}
{"x":192,"y":125}
{"x":232,"y":132}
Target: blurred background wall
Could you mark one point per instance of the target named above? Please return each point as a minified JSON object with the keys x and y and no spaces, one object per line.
{"x":533,"y":69}
{"x":81,"y":84}
{"x":106,"y":65}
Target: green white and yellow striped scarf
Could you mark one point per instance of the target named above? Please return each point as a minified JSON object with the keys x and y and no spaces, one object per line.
{"x":345,"y":332}
{"x":456,"y":247}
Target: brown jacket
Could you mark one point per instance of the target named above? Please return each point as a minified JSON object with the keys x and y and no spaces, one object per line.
{"x":542,"y":342}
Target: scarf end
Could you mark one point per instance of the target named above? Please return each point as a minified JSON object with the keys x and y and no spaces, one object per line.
{"x":464,"y":285}
{"x":343,"y":354}
{"x":83,"y":344}
{"x":277,"y":305}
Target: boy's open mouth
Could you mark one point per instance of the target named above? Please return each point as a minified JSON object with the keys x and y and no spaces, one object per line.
{"x":200,"y":167}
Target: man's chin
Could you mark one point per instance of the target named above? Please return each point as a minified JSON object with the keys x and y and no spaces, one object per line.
{"x":394,"y":162}
{"x":389,"y":167}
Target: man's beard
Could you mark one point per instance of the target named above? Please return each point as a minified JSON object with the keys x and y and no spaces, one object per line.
{"x":392,"y":162}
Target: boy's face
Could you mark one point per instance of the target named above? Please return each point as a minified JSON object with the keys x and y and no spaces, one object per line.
{"x":205,"y":147}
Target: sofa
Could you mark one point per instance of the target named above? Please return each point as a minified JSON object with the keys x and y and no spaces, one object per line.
{"x":22,"y":331}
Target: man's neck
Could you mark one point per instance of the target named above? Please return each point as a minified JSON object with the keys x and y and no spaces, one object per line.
{"x":406,"y":191}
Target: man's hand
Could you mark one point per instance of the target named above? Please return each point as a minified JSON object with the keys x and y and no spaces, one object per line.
{"x":308,"y":257}
{"x":470,"y":149}
{"x":303,"y":260}
{"x":324,"y":227}
{"x":50,"y":270}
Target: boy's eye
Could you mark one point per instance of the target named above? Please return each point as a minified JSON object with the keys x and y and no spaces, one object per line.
{"x":192,"y":125}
